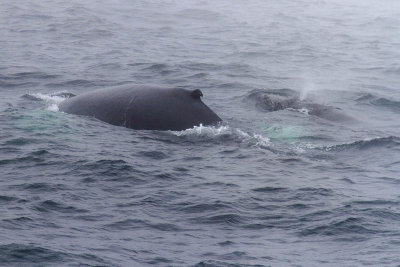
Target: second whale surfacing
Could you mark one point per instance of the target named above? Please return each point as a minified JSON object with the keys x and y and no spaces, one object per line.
{"x":281,"y":99}
{"x":144,"y":107}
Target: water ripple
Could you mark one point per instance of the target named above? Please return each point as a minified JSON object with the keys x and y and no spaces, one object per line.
{"x":50,"y":206}
{"x":380,"y":142}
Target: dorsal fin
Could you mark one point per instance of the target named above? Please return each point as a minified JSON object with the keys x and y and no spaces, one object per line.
{"x":196,"y":93}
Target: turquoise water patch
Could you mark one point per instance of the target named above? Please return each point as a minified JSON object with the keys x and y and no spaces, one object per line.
{"x":284,"y":133}
{"x":46,"y":122}
{"x":39,"y":120}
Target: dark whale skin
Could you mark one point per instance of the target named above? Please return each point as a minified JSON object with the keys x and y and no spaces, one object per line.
{"x":143,"y":107}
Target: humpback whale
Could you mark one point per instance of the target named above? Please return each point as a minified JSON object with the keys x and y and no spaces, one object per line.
{"x":275,"y":100}
{"x":144,"y":107}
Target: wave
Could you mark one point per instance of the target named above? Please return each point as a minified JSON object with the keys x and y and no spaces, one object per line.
{"x":368,"y":217}
{"x":18,"y":223}
{"x":384,"y":142}
{"x":50,"y":206}
{"x":351,"y":225}
{"x":131,"y":224}
{"x":394,"y":70}
{"x":29,"y":75}
{"x":222,"y":132}
{"x":156,"y":67}
{"x":199,"y":14}
{"x":215,"y":263}
{"x":19,"y":253}
{"x":24,"y":78}
{"x":42,"y":187}
{"x":203,"y":207}
{"x":39,"y":157}
{"x":226,"y":219}
{"x":386,"y":103}
{"x":7,"y":199}
{"x":112,"y":170}
{"x":205,"y":131}
{"x":157,"y":155}
{"x":127,"y":224}
{"x":301,"y":194}
{"x":52,"y":100}
{"x":82,"y":83}
{"x":28,"y":255}
{"x":382,"y":102}
{"x":269,"y":189}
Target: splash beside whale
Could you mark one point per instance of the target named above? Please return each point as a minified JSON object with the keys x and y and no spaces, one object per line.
{"x":144,"y":107}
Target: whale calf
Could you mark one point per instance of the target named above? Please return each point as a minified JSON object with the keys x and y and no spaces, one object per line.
{"x":144,"y":107}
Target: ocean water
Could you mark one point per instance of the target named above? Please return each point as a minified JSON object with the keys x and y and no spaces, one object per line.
{"x":305,"y":170}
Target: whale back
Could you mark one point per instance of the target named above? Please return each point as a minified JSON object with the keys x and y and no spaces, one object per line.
{"x":144,"y":108}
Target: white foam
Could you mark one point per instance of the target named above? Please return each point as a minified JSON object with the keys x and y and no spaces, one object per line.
{"x":304,"y":110}
{"x":206,"y":131}
{"x":257,"y":139}
{"x":302,"y":148}
{"x":51,"y":100}
{"x":242,"y":133}
{"x":224,"y":130}
{"x":301,"y":110}
{"x":262,"y":140}
{"x":53,"y":107}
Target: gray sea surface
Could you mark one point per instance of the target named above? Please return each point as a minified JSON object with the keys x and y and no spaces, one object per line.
{"x":305,"y":170}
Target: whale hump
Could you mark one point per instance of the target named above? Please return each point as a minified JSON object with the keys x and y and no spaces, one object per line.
{"x":144,"y":107}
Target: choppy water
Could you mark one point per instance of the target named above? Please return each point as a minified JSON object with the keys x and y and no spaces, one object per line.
{"x":289,"y":187}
